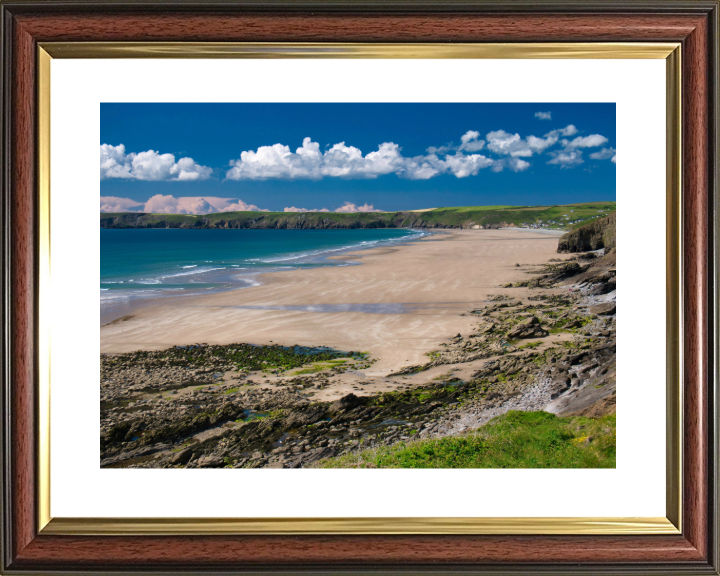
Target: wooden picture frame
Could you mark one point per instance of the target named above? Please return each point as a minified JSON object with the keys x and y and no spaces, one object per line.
{"x":33,"y":544}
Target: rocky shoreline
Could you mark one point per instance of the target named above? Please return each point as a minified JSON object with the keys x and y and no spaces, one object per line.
{"x":245,"y":406}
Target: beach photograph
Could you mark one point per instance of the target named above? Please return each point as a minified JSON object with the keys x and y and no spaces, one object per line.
{"x":357,"y":285}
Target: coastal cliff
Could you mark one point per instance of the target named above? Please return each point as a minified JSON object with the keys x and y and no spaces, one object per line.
{"x":593,"y":236}
{"x":479,"y":217}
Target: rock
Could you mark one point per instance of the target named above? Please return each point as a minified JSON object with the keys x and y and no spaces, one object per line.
{"x":559,"y":385}
{"x":528,"y":328}
{"x":600,"y":408}
{"x":603,"y":309}
{"x":209,"y":462}
{"x":345,"y":403}
{"x":182,"y":457}
{"x":602,"y":288}
{"x":487,"y":327}
{"x":304,"y":416}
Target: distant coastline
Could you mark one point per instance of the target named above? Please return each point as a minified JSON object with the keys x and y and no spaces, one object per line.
{"x":556,"y":217}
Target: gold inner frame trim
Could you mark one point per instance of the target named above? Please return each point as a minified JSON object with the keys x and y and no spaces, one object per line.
{"x":608,"y":50}
{"x":673,"y":309}
{"x":43,"y":397}
{"x":290,"y":526}
{"x":501,"y":526}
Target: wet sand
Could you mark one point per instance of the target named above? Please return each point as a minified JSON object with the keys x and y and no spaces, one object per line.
{"x":398,"y":304}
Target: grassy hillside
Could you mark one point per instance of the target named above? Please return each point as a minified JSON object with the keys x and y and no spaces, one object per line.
{"x":513,"y":440}
{"x":545,"y":216}
{"x":552,"y":217}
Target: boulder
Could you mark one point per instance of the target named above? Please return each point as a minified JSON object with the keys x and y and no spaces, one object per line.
{"x":486,"y":327}
{"x":182,"y":457}
{"x":559,"y":385}
{"x":605,"y":309}
{"x":528,"y":328}
{"x":209,"y":462}
{"x":345,"y":403}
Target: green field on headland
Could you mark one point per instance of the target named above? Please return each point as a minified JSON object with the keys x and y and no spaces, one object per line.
{"x":549,"y":217}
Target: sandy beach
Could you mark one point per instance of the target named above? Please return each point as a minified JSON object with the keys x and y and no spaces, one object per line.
{"x":426,"y":343}
{"x":398,"y":303}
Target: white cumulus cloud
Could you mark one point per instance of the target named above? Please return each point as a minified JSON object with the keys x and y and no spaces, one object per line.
{"x":293,"y":209}
{"x":604,"y":154}
{"x":168,"y":204}
{"x":569,"y":130}
{"x":538,"y":145}
{"x":590,"y":141}
{"x":518,"y":164}
{"x":567,"y":158}
{"x":115,"y":204}
{"x":471,"y":141}
{"x":350,"y":207}
{"x":514,"y":164}
{"x":501,"y":149}
{"x":462,"y":166}
{"x":543,"y":115}
{"x":308,"y":162}
{"x":504,"y":143}
{"x":241,"y":206}
{"x":115,"y":162}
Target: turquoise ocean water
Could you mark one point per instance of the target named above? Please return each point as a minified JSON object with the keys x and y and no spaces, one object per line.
{"x":140,"y":265}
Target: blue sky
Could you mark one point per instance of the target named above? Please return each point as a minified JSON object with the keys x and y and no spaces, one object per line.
{"x":200,"y":158}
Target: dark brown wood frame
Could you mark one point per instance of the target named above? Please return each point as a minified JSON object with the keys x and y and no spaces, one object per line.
{"x":694,"y":23}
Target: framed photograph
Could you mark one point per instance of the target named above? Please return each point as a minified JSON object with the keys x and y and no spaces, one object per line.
{"x":358,"y":306}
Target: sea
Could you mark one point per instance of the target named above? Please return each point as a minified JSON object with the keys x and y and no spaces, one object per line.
{"x":138,"y":266}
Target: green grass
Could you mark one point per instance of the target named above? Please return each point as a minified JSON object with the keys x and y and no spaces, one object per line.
{"x":517,"y":215}
{"x":513,"y":440}
{"x":471,"y":208}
